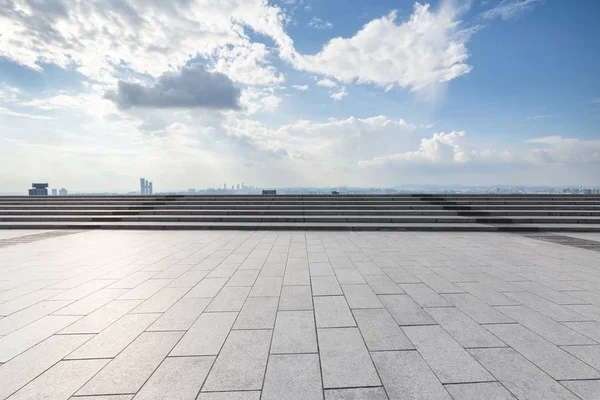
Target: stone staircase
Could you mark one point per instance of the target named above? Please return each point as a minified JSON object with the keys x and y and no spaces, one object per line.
{"x":511,"y":213}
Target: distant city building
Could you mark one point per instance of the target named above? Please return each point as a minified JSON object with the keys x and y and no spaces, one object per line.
{"x":238,"y":186}
{"x":63,"y":192}
{"x":39,"y":189}
{"x":224,"y":186}
{"x":269,"y":192}
{"x":243,"y":185}
{"x":192,"y":191}
{"x":54,"y":192}
{"x":145,"y":187}
{"x":232,"y":187}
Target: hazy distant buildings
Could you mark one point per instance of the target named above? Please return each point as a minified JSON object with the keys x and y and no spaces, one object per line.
{"x":39,"y":189}
{"x":63,"y":192}
{"x":146,"y":187}
{"x":54,"y":192}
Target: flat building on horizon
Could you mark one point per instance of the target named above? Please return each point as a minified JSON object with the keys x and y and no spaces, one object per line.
{"x":39,"y":189}
{"x":54,"y":192}
{"x":63,"y":192}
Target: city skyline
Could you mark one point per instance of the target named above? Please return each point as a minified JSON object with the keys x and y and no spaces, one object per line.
{"x":296,"y":93}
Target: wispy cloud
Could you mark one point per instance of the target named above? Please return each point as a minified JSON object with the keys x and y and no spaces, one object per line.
{"x":540,"y":117}
{"x":6,"y":111}
{"x":318,"y":23}
{"x":508,"y":9}
{"x":302,"y":88}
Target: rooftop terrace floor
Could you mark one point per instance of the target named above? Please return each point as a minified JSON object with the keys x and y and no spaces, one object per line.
{"x":216,"y":315}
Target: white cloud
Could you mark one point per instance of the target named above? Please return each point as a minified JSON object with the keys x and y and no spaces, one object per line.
{"x":428,"y":48}
{"x":98,"y":37}
{"x":302,"y":88}
{"x":318,"y":23}
{"x":340,"y":95}
{"x":561,"y":150}
{"x":441,"y":148}
{"x":508,"y":9}
{"x":328,"y":83}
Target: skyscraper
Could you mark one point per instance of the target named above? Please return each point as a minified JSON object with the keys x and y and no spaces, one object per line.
{"x":149,"y":191}
{"x":63,"y":192}
{"x":54,"y":192}
{"x":39,"y":189}
{"x":238,"y":187}
{"x":224,"y":186}
{"x":142,"y":186}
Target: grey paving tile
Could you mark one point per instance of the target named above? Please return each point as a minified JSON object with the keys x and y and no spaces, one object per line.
{"x":229,"y":299}
{"x":382,"y":284}
{"x":321,"y":269}
{"x":207,"y":287}
{"x":258,"y":313}
{"x":241,"y":363}
{"x":176,"y":378}
{"x":145,"y":290}
{"x":111,"y":341}
{"x":380,"y":331}
{"x":293,"y":376}
{"x":588,"y":354}
{"x":266,"y":286}
{"x":361,"y":296}
{"x":224,"y":270}
{"x":81,"y":291}
{"x":450,"y":362}
{"x":325,"y":286}
{"x":131,"y":368}
{"x":132,"y":280}
{"x":477,"y":309}
{"x":486,"y":294}
{"x":438,"y":284}
{"x":161,"y":301}
{"x":520,"y":376}
{"x":545,"y":327}
{"x":590,"y":311}
{"x":296,"y":298}
{"x":206,"y":336}
{"x":27,"y":300}
{"x":332,"y":312}
{"x":22,"y":369}
{"x":345,"y":361}
{"x":28,"y":315}
{"x":189,"y":279}
{"x":551,"y":359}
{"x":243,"y":277}
{"x":349,"y":276}
{"x":294,"y":333}
{"x":405,"y":375}
{"x":115,"y":397}
{"x":590,"y":329}
{"x":61,"y":381}
{"x":463,"y":329}
{"x":405,"y":311}
{"x":377,"y":393}
{"x":424,"y":295}
{"x":181,"y":315}
{"x":400,"y":275}
{"x":549,"y":309}
{"x":250,"y":395}
{"x":273,"y":270}
{"x":479,"y":391}
{"x":296,"y":276}
{"x":91,"y":303}
{"x":22,"y":339}
{"x":547,"y":293}
{"x":103,"y":317}
{"x":586,"y":390}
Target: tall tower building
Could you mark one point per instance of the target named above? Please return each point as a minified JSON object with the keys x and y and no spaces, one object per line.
{"x":142,"y":186}
{"x":150,"y":191}
{"x":224,"y":186}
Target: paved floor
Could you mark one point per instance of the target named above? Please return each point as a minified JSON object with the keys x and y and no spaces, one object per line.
{"x":240,"y":315}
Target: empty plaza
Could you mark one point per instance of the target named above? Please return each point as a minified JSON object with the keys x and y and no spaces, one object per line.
{"x":298,"y":315}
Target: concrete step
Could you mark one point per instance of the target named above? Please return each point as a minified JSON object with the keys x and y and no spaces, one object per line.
{"x":307,"y":218}
{"x":308,"y":226}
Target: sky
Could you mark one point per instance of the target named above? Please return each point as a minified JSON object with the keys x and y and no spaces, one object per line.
{"x":95,"y":94}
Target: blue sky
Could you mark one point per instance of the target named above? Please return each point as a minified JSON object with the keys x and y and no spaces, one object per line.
{"x":194,"y":93}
